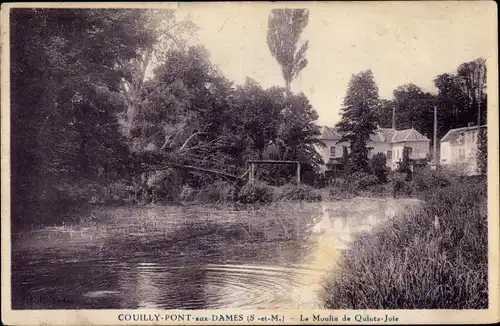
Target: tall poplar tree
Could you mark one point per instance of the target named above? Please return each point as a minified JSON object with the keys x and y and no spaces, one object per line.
{"x":283,"y":36}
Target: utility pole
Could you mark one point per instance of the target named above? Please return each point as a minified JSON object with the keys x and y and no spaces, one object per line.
{"x":435,"y":137}
{"x":393,"y":116}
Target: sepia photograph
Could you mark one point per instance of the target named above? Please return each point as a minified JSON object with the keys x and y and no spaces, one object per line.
{"x":336,"y":159}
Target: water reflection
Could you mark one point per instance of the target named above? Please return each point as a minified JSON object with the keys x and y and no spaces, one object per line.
{"x":191,"y":258}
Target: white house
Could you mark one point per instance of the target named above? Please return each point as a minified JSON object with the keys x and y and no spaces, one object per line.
{"x":458,"y":149}
{"x":388,"y":141}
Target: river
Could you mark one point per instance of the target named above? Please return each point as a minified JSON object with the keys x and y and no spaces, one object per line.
{"x":192,"y":257}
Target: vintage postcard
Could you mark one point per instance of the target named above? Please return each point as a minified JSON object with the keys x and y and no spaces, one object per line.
{"x":264,"y":163}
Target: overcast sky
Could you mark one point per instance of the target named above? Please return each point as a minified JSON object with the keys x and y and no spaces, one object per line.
{"x":400,"y":42}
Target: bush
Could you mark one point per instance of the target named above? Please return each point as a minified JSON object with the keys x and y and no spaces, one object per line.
{"x":362,"y":180}
{"x":297,"y":192}
{"x":427,"y":178}
{"x":257,"y":192}
{"x":219,"y":191}
{"x":379,"y":167}
{"x":434,"y":258}
{"x":187,"y":193}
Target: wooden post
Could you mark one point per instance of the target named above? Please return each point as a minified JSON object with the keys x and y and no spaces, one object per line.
{"x":298,"y":172}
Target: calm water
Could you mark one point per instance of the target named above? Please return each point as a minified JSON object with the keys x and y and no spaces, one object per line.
{"x":190,"y":257}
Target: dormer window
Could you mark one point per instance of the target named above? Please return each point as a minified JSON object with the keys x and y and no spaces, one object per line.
{"x":332,"y":151}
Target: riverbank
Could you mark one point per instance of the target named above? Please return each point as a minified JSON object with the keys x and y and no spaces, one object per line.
{"x":434,"y":258}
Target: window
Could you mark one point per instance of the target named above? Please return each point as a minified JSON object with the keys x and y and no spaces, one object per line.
{"x":389,"y":155}
{"x":332,"y":151}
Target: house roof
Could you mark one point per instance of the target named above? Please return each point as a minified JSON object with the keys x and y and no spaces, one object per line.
{"x":388,"y":133}
{"x":377,"y":136}
{"x":453,"y":134}
{"x":380,"y":135}
{"x":330,"y":133}
{"x":408,"y":135}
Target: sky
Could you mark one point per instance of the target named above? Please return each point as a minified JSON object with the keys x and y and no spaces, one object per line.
{"x":400,"y":42}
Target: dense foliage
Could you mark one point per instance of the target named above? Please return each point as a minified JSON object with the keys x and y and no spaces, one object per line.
{"x":89,"y":122}
{"x":65,"y":96}
{"x":461,"y":100}
{"x":482,"y":153}
{"x":101,"y":98}
{"x":358,"y":120}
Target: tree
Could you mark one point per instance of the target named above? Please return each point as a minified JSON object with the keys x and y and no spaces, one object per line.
{"x":283,"y":33}
{"x":183,"y":108}
{"x":414,"y":109}
{"x":358,"y":120}
{"x":65,"y":97}
{"x":166,"y":33}
{"x":383,"y":113}
{"x":462,"y":97}
{"x":471,"y":79}
{"x":259,"y":113}
{"x":452,"y":112}
{"x":482,"y":153}
{"x":345,"y":159}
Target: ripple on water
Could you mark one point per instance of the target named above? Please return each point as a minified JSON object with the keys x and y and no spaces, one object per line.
{"x":252,"y":286}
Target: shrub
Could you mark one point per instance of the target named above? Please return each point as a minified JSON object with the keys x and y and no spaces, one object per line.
{"x":297,"y":192}
{"x":257,"y":192}
{"x":219,"y":191}
{"x":379,"y":168}
{"x":427,"y":179}
{"x":187,"y":193}
{"x":362,"y":180}
{"x":434,"y":258}
{"x":395,"y":176}
{"x":118,"y":192}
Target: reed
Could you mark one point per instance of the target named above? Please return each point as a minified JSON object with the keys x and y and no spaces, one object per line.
{"x":433,"y":258}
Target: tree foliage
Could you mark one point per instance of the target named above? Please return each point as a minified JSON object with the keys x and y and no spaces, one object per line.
{"x":166,"y":33}
{"x":65,"y":95}
{"x":358,"y":120}
{"x":461,"y":100}
{"x":191,"y":112}
{"x":283,"y":35}
{"x":482,"y":153}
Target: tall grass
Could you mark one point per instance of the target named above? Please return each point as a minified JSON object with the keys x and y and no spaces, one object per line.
{"x":434,"y":258}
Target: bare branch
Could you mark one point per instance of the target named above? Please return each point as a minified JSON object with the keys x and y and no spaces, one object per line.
{"x":183,"y":147}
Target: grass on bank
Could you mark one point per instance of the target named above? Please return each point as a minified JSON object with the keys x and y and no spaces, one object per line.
{"x":436,"y":258}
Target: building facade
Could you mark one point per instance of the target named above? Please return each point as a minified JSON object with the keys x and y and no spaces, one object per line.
{"x":388,"y":141}
{"x":458,"y":150}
